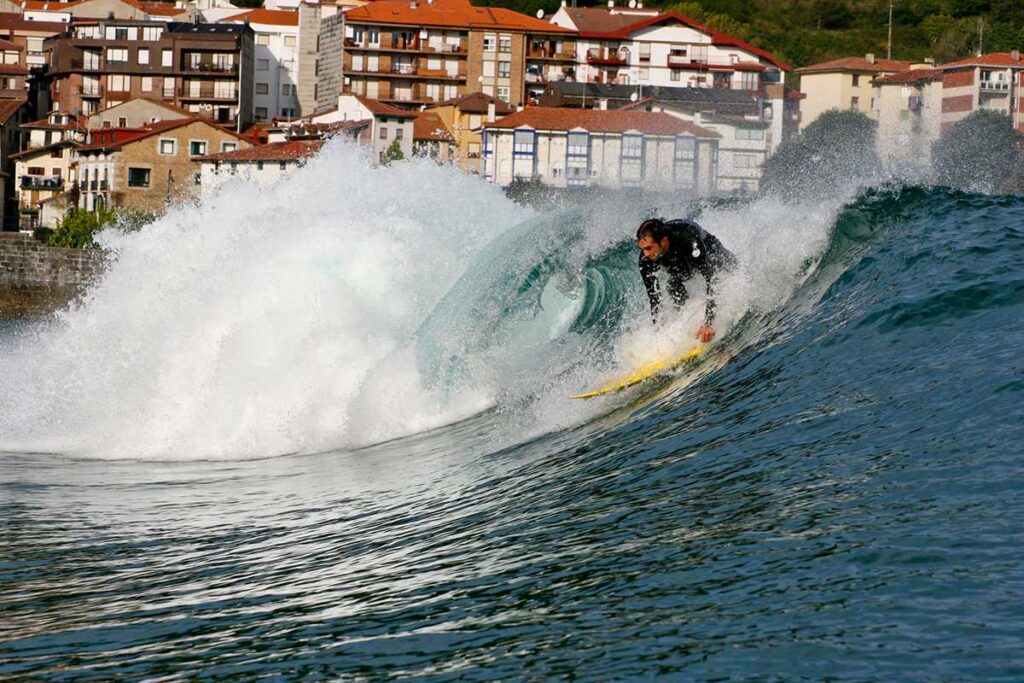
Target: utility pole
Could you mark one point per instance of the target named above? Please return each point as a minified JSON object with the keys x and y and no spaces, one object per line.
{"x":888,"y":50}
{"x":981,"y":36}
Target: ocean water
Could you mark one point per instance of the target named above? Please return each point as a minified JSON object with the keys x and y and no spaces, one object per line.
{"x":318,"y":433}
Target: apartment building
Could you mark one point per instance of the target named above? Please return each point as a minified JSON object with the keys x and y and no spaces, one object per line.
{"x":380,"y":124}
{"x":844,"y":84}
{"x":908,"y":107}
{"x":424,"y":53}
{"x":568,"y":148}
{"x":206,"y":69}
{"x":638,"y":46}
{"x":993,"y":82}
{"x":44,"y":169}
{"x":148,"y":168}
{"x":464,"y":117}
{"x":29,"y":35}
{"x":13,"y":71}
{"x":276,"y":74}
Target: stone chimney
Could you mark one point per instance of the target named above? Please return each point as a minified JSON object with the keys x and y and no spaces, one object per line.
{"x":870,"y":57}
{"x":490,"y":112}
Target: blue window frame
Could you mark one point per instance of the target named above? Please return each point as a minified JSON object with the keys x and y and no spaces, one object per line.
{"x":488,"y":153}
{"x":577,"y":158}
{"x":524,"y":147}
{"x":631,"y":160}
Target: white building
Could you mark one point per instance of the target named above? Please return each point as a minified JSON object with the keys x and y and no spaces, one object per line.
{"x":908,"y":106}
{"x":276,"y":76}
{"x":264,"y":164}
{"x":631,"y":46}
{"x":386,"y":123}
{"x":597,"y":148}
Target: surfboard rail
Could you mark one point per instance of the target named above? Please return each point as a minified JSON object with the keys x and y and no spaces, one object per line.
{"x":644,"y":372}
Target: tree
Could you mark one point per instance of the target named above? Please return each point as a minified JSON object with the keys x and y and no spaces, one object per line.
{"x":392,"y":153}
{"x":838,"y":148}
{"x":979,"y":153}
{"x":77,"y":230}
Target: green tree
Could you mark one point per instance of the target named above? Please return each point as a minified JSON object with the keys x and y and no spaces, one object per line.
{"x":836,"y":149}
{"x":392,"y":153}
{"x":980,"y":153}
{"x":833,"y":14}
{"x":77,"y":230}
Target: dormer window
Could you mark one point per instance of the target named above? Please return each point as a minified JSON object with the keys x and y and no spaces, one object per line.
{"x":58,"y":119}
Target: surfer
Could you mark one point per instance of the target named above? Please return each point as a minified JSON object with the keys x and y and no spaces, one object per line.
{"x":680,"y":247}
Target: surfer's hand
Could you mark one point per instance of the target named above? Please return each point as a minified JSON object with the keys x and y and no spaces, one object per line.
{"x":706,"y":333}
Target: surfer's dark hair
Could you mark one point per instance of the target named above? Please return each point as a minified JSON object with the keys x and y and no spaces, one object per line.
{"x":653,"y":228}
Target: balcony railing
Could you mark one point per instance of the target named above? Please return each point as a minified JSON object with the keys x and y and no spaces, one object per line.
{"x":42,"y":182}
{"x":408,"y":46}
{"x":90,"y":91}
{"x":408,"y":69}
{"x":206,"y":94}
{"x":996,"y":86}
{"x":210,"y":68}
{"x":607,"y":58}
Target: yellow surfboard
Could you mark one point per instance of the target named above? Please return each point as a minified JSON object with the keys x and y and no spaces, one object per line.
{"x":644,"y":372}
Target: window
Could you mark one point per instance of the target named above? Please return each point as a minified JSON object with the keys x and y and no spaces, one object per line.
{"x":261,"y":113}
{"x":259,"y":165}
{"x":168,"y":87}
{"x":228,"y":146}
{"x":373,"y":36}
{"x":685,"y":162}
{"x":288,"y":112}
{"x":197,"y":148}
{"x":287,"y":89}
{"x":263,"y":65}
{"x":503,"y":92}
{"x":122,"y":122}
{"x":631,"y":165}
{"x":262,"y":89}
{"x":523,"y":143}
{"x":746,"y":161}
{"x":57,"y":154}
{"x":117,"y":55}
{"x":488,"y":71}
{"x":117,"y":33}
{"x":167,"y":58}
{"x":223,"y":89}
{"x":504,"y":69}
{"x":643,"y":74}
{"x":383,"y":133}
{"x":151,"y":33}
{"x":856,"y":80}
{"x":474,"y":121}
{"x":263,"y":39}
{"x":399,"y":133}
{"x":290,"y":41}
{"x":748,"y":81}
{"x":749,"y":134}
{"x":143,"y":55}
{"x":645,"y":52}
{"x":577,"y":158}
{"x":168,"y":148}
{"x":676,"y":75}
{"x":91,"y":59}
{"x":119,"y":83}
{"x":36,"y":170}
{"x":138,"y":177}
{"x":505,"y":44}
{"x":490,"y":42}
{"x":854,"y":103}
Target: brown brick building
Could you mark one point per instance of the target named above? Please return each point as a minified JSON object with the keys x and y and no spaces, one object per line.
{"x":430,"y":52}
{"x":149,"y":168}
{"x":206,"y":69}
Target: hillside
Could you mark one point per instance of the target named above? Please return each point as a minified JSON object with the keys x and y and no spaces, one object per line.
{"x":804,"y":32}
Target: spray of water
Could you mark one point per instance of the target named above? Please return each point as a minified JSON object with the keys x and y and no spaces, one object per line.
{"x":313,"y":315}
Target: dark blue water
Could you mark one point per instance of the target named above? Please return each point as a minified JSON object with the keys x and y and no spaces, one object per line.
{"x":840,"y":501}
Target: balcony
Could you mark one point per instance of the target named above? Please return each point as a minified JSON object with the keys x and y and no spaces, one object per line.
{"x":599,"y":58}
{"x":42,"y":182}
{"x":210,"y":68}
{"x":998,"y":87}
{"x":90,"y":91}
{"x":546,"y":54}
{"x":405,"y":69}
{"x":206,"y":94}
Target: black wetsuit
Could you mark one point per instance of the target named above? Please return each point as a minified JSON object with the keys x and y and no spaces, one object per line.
{"x":690,"y":247}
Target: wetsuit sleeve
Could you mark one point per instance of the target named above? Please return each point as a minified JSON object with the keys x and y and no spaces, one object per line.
{"x":718,"y":259}
{"x":651,"y":284}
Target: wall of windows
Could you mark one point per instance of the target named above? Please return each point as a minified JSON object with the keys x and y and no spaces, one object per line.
{"x":631,"y":165}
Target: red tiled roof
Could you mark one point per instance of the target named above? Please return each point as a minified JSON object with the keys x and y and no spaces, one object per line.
{"x":598,"y":20}
{"x":166,"y":9}
{"x":45,"y":149}
{"x":857,"y":64}
{"x":912,"y":76}
{"x":451,"y":13}
{"x":378,"y":108}
{"x":12,"y":21}
{"x":717,"y":37}
{"x":45,"y":5}
{"x":275,"y":151}
{"x":991,"y":59}
{"x":8,"y":107}
{"x":149,"y":131}
{"x":272,"y":17}
{"x":429,"y":126}
{"x":601,"y":121}
{"x":478,"y":102}
{"x":46,"y":125}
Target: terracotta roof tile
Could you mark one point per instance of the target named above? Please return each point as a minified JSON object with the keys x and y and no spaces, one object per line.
{"x":379,"y":108}
{"x":857,"y":64}
{"x":271,"y":17}
{"x":912,"y":76}
{"x":275,"y":151}
{"x":429,"y":126}
{"x":991,"y":59}
{"x":8,"y":107}
{"x":601,"y":121}
{"x":478,"y":102}
{"x":450,"y":13}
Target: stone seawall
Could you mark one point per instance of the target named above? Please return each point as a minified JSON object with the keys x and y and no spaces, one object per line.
{"x":35,"y":278}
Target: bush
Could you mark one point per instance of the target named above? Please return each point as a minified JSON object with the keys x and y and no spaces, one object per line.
{"x":392,"y":153}
{"x":979,"y":153}
{"x":837,"y":149}
{"x":78,"y":228}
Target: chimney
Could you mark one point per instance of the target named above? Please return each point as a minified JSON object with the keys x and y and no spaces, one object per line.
{"x":639,"y":4}
{"x":565,"y":2}
{"x":1015,"y":55}
{"x":870,"y":57}
{"x":929,"y":60}
{"x":602,"y":104}
{"x":611,"y":4}
{"x":490,"y":112}
{"x":412,"y":4}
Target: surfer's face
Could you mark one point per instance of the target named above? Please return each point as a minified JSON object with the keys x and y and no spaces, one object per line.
{"x":652,"y":250}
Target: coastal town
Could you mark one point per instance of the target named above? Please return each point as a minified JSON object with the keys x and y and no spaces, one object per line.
{"x":109,"y":104}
